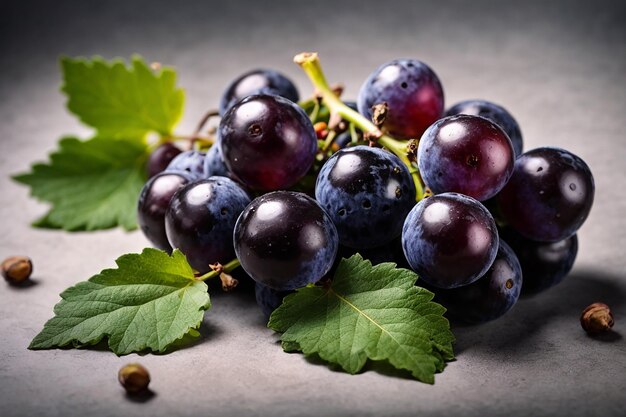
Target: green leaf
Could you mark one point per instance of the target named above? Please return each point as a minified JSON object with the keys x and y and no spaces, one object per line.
{"x":122,"y":101}
{"x":367,"y":312}
{"x":91,"y":184}
{"x":147,"y":303}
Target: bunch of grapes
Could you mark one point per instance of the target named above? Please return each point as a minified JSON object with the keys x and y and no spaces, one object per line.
{"x":286,"y":188}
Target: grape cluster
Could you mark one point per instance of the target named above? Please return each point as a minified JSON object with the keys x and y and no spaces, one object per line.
{"x":288,"y":188}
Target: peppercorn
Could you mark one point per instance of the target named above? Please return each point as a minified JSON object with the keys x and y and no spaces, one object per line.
{"x":17,"y":269}
{"x":134,"y":378}
{"x":597,"y":318}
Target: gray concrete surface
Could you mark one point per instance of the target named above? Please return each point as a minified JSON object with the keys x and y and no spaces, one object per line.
{"x":560,"y":68}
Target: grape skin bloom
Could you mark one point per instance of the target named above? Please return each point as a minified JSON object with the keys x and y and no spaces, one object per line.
{"x":367,"y":192}
{"x":450,"y":240}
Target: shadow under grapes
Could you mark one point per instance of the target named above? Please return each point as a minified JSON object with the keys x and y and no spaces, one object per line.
{"x":517,"y":332}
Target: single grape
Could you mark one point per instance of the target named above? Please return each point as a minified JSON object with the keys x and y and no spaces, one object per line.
{"x":260,"y":81}
{"x":191,"y":162}
{"x":367,"y":192}
{"x":200,"y":220}
{"x":154,"y":198}
{"x":549,"y":195}
{"x":450,"y":240}
{"x":285,"y":240}
{"x":160,"y":158}
{"x":465,"y":154}
{"x":267,"y":142}
{"x":214,"y":163}
{"x":268,"y":299}
{"x":412,"y":92}
{"x":494,"y":112}
{"x":491,"y":295}
{"x":544,"y":264}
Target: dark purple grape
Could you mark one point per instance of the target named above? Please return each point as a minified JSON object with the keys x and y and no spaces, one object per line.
{"x":497,"y":114}
{"x":154,"y":198}
{"x":549,"y":195}
{"x":491,"y":295}
{"x":367,"y":192}
{"x":214,"y":163}
{"x":465,"y":154}
{"x":450,"y":240}
{"x":285,"y":240}
{"x":544,"y":264}
{"x":268,"y":299}
{"x":260,"y":81}
{"x":191,"y":162}
{"x":411,"y":90}
{"x":200,"y":220}
{"x":267,"y":142}
{"x":160,"y":158}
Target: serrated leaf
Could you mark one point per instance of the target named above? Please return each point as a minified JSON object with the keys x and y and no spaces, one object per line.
{"x":148,"y":302}
{"x":91,"y":184}
{"x":122,"y":101}
{"x":368,"y":312}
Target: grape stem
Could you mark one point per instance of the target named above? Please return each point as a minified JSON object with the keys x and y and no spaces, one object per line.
{"x":328,"y":142}
{"x":229,"y":267}
{"x":310,"y":63}
{"x":196,"y":138}
{"x":208,"y":115}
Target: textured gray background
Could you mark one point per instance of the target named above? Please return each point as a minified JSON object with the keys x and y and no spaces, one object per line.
{"x":560,"y":68}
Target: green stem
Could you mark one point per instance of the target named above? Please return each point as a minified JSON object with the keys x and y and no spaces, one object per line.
{"x":227,"y":268}
{"x":354,"y":137}
{"x":310,"y":63}
{"x":315,"y":112}
{"x":332,"y":135}
{"x":306,"y":104}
